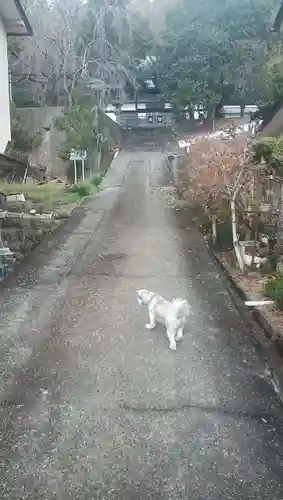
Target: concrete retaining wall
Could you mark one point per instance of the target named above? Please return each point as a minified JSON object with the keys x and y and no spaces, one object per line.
{"x":110,"y":129}
{"x":45,"y":154}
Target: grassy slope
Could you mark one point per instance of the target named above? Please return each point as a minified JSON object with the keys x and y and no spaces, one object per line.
{"x":48,"y":197}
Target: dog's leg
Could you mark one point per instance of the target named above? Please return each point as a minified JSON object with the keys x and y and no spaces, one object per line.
{"x":152,"y":321}
{"x":180,"y":334}
{"x":171,"y":336}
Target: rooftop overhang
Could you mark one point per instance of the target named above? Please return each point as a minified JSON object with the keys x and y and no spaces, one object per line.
{"x":14,"y":18}
{"x":278,"y":20}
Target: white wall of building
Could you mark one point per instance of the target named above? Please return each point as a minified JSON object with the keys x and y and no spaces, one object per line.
{"x":5,"y":126}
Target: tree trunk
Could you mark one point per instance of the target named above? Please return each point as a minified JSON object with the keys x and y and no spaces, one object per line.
{"x":279,"y":264}
{"x":214,"y":119}
{"x":99,"y":158}
{"x":214,"y":230}
{"x":236,"y":245}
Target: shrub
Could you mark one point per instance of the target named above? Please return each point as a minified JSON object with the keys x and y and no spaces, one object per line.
{"x":271,"y":150}
{"x":224,"y":236}
{"x":82,"y":190}
{"x":274,"y":289}
{"x":264,"y":148}
{"x":23,"y":138}
{"x":96,"y":180}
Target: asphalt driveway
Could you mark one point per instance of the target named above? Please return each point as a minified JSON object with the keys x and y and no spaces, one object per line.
{"x":94,"y":406}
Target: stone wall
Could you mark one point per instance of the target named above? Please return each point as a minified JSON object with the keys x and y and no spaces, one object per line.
{"x":98,"y":162}
{"x":110,"y":129}
{"x":45,"y":155}
{"x":23,"y":235}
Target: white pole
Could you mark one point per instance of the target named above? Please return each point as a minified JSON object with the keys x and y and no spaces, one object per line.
{"x":214,"y":230}
{"x":83,"y":169}
{"x":17,"y":215}
{"x":75,"y":170}
{"x":25,"y":175}
{"x":258,"y":303}
{"x":213,"y":120}
{"x":10,"y":87}
{"x":236,"y":246}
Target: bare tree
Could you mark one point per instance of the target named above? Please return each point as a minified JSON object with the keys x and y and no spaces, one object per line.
{"x":75,"y":43}
{"x":222,"y":175}
{"x":47,"y":62}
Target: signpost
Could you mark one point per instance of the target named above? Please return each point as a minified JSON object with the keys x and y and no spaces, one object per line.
{"x":78,"y":155}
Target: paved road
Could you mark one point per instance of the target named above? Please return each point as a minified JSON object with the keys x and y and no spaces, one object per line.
{"x":94,"y":406}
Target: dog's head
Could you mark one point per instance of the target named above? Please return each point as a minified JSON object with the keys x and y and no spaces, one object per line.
{"x":144,"y":297}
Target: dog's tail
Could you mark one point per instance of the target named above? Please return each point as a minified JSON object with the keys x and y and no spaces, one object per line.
{"x":182,"y":307}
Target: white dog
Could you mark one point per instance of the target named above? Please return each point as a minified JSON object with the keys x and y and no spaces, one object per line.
{"x":173,"y":315}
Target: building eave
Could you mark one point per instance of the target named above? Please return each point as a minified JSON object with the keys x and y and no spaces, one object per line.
{"x":14,"y":18}
{"x":278,"y":20}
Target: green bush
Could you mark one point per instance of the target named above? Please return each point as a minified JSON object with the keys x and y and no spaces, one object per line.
{"x":274,"y":289}
{"x":271,"y":150}
{"x":96,"y":180}
{"x":23,"y":138}
{"x":264,"y":148}
{"x":205,"y":226}
{"x":224,"y":236}
{"x":82,"y":190}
